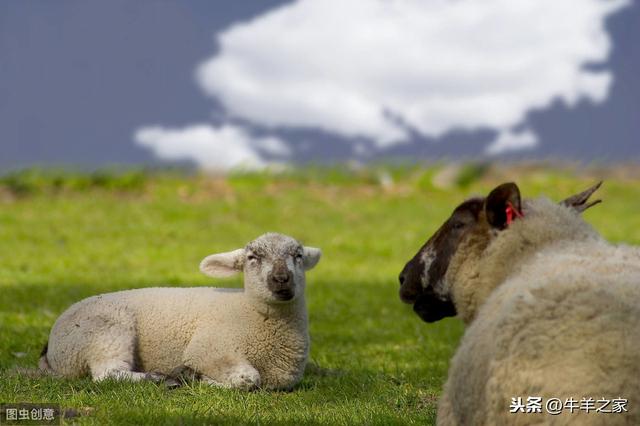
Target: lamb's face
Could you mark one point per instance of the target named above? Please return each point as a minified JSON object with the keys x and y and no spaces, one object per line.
{"x":274,"y":266}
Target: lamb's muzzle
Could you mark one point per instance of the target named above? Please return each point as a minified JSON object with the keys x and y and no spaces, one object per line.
{"x":280,"y":281}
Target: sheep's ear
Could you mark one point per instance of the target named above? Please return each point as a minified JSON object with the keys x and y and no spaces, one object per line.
{"x":223,"y":264}
{"x":579,"y":201}
{"x":311,"y":257}
{"x":498,"y":203}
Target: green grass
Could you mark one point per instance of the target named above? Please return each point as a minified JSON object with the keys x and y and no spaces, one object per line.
{"x":65,"y":236}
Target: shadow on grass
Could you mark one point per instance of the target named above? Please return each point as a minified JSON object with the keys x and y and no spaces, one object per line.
{"x":313,"y":402}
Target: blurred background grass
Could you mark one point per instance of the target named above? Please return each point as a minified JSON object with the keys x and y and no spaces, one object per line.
{"x":67,"y":235}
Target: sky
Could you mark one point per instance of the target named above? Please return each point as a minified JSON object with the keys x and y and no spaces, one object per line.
{"x":228,"y":84}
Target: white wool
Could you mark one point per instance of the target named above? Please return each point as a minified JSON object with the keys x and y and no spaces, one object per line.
{"x":554,"y":312}
{"x":231,"y":337}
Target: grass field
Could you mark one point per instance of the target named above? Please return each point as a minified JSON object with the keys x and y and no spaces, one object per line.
{"x":66,"y":236}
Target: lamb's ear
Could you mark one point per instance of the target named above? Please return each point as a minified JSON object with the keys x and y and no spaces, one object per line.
{"x":579,"y":201}
{"x":223,"y":264}
{"x":311,"y":257}
{"x":499,"y":202}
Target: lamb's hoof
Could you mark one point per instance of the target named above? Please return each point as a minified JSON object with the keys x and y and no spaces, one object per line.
{"x":154,"y":377}
{"x":245,"y":378}
{"x":181,"y":376}
{"x":172,"y":383}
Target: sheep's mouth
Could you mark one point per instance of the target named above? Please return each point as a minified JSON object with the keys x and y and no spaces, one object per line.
{"x":431,"y":309}
{"x":283,"y":295}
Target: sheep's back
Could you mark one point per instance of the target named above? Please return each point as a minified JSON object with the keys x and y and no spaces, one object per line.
{"x":566,"y":324}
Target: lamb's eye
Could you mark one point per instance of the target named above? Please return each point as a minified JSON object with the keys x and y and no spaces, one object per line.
{"x":458,"y":225}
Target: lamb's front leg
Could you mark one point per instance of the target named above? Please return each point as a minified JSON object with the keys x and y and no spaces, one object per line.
{"x":214,"y":366}
{"x":119,"y":370}
{"x":227,"y":372}
{"x":231,"y":373}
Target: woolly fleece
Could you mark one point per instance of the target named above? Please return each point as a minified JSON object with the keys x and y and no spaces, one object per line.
{"x":553,"y":311}
{"x":233,"y":337}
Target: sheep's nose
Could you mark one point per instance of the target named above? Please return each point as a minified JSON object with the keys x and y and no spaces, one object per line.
{"x":282,"y":277}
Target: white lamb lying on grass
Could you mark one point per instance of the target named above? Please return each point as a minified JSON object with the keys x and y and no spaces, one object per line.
{"x":553,"y":311}
{"x":236,"y":338}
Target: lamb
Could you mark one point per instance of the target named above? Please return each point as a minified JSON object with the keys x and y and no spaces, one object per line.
{"x":552,"y":311}
{"x":236,"y":338}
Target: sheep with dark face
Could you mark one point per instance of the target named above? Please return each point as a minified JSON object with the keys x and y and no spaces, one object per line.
{"x":238,"y":338}
{"x":552,"y":309}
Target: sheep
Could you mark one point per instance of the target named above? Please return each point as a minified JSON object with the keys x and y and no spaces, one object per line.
{"x":552,"y":311}
{"x":245,"y":339}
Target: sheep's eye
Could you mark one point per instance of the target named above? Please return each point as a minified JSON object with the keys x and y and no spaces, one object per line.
{"x":252,"y":257}
{"x":298,"y":256}
{"x":458,"y":225}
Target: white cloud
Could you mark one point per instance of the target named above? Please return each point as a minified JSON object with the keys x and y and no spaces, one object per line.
{"x":363,"y":67}
{"x":211,"y":148}
{"x":509,"y":141}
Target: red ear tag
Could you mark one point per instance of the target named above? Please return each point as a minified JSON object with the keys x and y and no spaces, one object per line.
{"x":510,"y":211}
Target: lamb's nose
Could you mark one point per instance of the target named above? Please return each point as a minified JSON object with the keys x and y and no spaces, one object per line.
{"x":282,"y":277}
